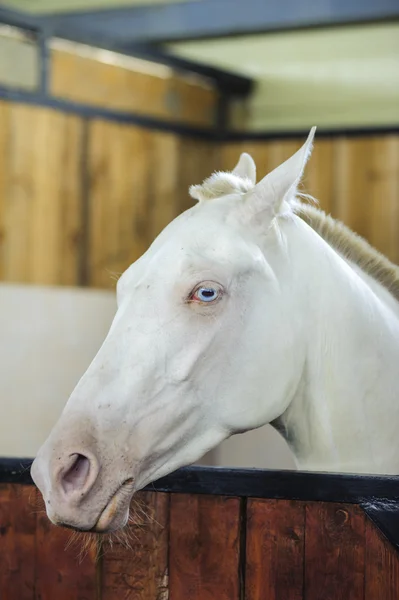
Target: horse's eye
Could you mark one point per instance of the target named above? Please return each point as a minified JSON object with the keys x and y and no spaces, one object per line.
{"x":206,"y":292}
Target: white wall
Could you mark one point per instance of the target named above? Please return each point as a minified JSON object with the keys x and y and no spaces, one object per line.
{"x":48,"y":337}
{"x":263,"y":448}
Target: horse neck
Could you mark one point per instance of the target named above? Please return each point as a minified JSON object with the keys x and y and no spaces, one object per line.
{"x":345,"y":412}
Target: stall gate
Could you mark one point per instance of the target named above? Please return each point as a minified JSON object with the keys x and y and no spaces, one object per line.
{"x":232,"y":535}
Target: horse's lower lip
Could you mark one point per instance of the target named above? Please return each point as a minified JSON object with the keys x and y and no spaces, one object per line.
{"x":113,"y":516}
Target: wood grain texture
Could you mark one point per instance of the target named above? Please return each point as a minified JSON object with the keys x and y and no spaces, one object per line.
{"x":382,"y":566}
{"x":17,"y":201}
{"x":140,"y":572}
{"x":119,"y":175}
{"x":382,"y":205}
{"x":41,"y":196}
{"x":71,"y":193}
{"x":17,"y":542}
{"x":352,"y":167}
{"x":274,"y":549}
{"x":334,"y":552}
{"x":318,"y":179}
{"x":63,"y":571}
{"x":163,"y":186}
{"x":132,"y":85}
{"x":198,"y":159}
{"x":204,"y":547}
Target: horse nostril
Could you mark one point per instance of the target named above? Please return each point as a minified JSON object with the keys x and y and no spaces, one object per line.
{"x":77,"y":474}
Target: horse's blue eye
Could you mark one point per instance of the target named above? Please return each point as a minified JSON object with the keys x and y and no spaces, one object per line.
{"x":206,"y":292}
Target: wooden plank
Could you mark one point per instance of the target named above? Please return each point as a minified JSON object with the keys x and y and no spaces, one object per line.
{"x":98,"y":178}
{"x":163,"y":195}
{"x":140,"y":572}
{"x":17,"y":542}
{"x":192,"y":101}
{"x":119,"y":175}
{"x":118,"y":85}
{"x":318,"y":180}
{"x":381,"y":205}
{"x":198,"y":160}
{"x":352,"y":164}
{"x":45,"y":210}
{"x":42,"y":199}
{"x":334,"y":552}
{"x":274,"y":550}
{"x":17,"y":203}
{"x":204,"y":547}
{"x":72,"y":242}
{"x":132,"y":85}
{"x":382,"y":566}
{"x":62,"y":572}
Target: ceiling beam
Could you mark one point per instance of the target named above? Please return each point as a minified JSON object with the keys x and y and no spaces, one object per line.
{"x":227,"y":82}
{"x":198,"y":19}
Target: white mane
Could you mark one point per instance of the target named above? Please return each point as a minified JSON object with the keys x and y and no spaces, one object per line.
{"x":220,"y":184}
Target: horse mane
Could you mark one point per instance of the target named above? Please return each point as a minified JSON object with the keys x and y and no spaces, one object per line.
{"x":351,"y":246}
{"x":345,"y":241}
{"x":220,"y":184}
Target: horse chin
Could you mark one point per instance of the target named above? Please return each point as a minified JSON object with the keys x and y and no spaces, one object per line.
{"x":116,"y":513}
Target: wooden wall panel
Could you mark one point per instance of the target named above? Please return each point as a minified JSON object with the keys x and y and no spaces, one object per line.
{"x":17,"y":542}
{"x":131,"y":85}
{"x":198,"y":547}
{"x":354,"y":179}
{"x":334,"y":552}
{"x":366,"y":174}
{"x":198,"y":159}
{"x":204,"y":547}
{"x":138,"y":183}
{"x":136,"y":567}
{"x":132,"y":195}
{"x":41,"y":196}
{"x":80,"y":201}
{"x":118,"y":176}
{"x":64,"y":570}
{"x":275,"y":550}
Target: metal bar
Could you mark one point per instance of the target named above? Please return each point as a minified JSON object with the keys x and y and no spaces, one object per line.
{"x":89,"y":111}
{"x":200,"y":19}
{"x":16,"y":18}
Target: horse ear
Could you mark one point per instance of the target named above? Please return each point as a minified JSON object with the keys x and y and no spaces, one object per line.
{"x":280,"y":185}
{"x":245,"y":168}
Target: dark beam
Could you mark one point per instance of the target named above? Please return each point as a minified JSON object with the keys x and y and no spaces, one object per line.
{"x":16,"y":18}
{"x":229,"y":83}
{"x":216,"y":18}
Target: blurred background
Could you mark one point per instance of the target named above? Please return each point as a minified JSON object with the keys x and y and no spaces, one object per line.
{"x":110,"y":109}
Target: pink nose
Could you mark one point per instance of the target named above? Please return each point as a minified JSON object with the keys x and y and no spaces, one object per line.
{"x":75,"y":477}
{"x":76,"y":474}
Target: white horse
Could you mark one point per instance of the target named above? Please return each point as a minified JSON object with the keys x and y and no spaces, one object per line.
{"x":249,"y":308}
